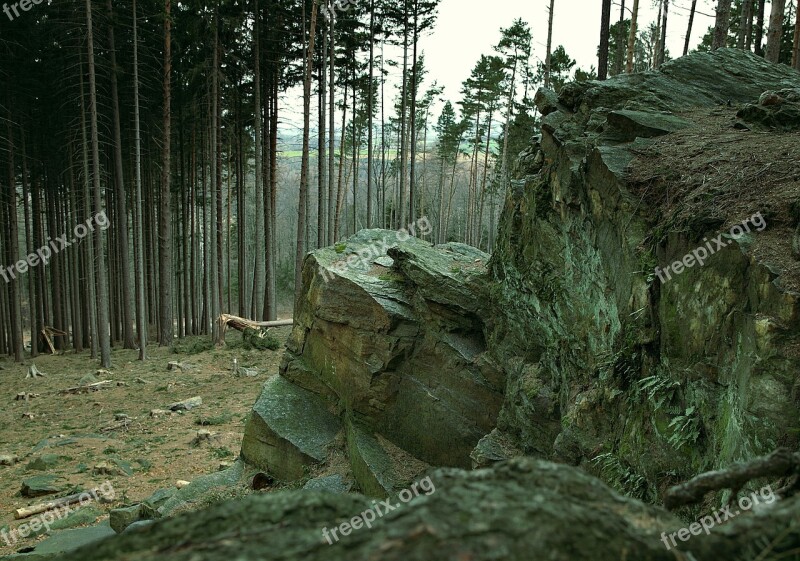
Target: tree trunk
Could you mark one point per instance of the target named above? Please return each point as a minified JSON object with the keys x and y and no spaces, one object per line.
{"x":403,"y":129}
{"x":301,"y":209}
{"x":331,"y":133}
{"x":620,"y":54}
{"x":759,"y":50}
{"x":632,"y":37}
{"x":549,"y":53}
{"x":259,"y":270}
{"x":744,"y":28}
{"x":89,"y":259}
{"x":12,"y":247}
{"x":100,"y":263}
{"x":141,"y":317}
{"x":775,"y":33}
{"x":796,"y":48}
{"x":122,"y":208}
{"x":605,"y":23}
{"x":722,"y":24}
{"x":692,"y":12}
{"x":322,"y":179}
{"x":165,"y":229}
{"x":662,"y":43}
{"x":211,"y":267}
{"x":412,"y":184}
{"x":370,"y":111}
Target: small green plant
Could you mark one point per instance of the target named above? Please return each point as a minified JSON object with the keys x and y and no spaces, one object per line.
{"x":222,"y":419}
{"x":221,"y":453}
{"x":660,"y":389}
{"x":340,"y":247}
{"x":260,"y":340}
{"x":192,"y":345}
{"x":685,"y":429}
{"x":620,"y":476}
{"x":391,"y":277}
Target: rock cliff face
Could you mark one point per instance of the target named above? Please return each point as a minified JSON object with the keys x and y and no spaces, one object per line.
{"x":646,"y":375}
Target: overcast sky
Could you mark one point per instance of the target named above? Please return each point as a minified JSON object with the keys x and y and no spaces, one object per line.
{"x":468,"y":28}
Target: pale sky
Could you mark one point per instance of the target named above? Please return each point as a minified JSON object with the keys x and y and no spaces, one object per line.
{"x":468,"y":28}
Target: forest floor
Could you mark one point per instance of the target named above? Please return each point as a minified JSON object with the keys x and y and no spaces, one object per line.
{"x":82,"y":435}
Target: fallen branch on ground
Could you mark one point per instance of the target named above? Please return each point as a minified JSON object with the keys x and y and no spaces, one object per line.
{"x":28,"y":511}
{"x":87,"y":387}
{"x":780,"y":463}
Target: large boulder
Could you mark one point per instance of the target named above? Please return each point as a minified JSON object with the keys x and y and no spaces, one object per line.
{"x":387,"y":362}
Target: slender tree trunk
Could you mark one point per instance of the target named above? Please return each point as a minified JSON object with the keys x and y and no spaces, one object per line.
{"x":301,"y":214}
{"x":796,"y":48}
{"x":370,"y":111}
{"x":339,"y":187}
{"x":126,"y":301}
{"x":760,"y":13}
{"x":412,"y":186}
{"x":141,"y":311}
{"x":322,"y":179}
{"x":212,"y":267}
{"x":260,"y":270}
{"x":12,"y":247}
{"x":332,"y":199}
{"x":605,"y":23}
{"x":166,"y":330}
{"x":775,"y":33}
{"x":620,"y":54}
{"x":692,"y":12}
{"x":89,"y":257}
{"x":549,"y":53}
{"x":632,"y":37}
{"x":744,"y":30}
{"x":662,"y":43}
{"x":101,"y":273}
{"x":403,"y":127}
{"x":722,"y":24}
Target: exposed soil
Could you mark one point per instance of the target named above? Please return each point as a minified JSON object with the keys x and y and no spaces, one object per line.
{"x":82,"y":428}
{"x":711,"y":176}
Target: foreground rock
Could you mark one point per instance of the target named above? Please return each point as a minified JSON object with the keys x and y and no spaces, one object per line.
{"x":524,"y":509}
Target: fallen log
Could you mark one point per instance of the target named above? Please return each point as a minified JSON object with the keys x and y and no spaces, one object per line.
{"x":240,"y":324}
{"x":87,"y":387}
{"x":780,"y":463}
{"x":28,"y":511}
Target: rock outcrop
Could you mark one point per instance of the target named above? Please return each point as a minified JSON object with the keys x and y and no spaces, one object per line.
{"x":618,"y":358}
{"x":386,"y":363}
